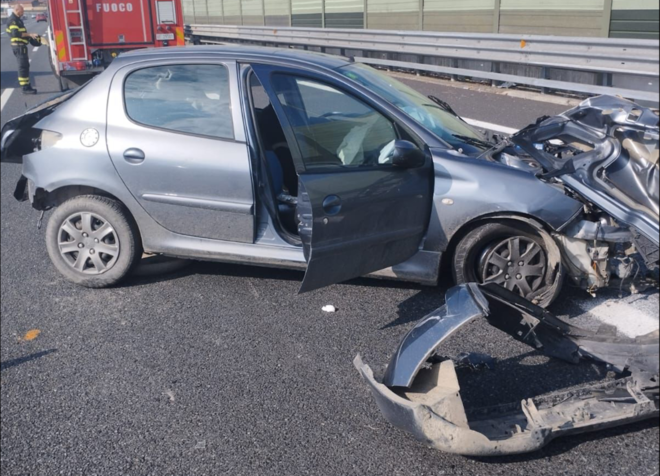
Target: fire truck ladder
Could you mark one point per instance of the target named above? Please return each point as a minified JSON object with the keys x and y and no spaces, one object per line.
{"x":69,"y":29}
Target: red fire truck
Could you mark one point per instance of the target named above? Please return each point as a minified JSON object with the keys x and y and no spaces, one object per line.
{"x":84,"y":36}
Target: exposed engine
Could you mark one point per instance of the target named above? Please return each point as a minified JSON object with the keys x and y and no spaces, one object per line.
{"x":604,"y":153}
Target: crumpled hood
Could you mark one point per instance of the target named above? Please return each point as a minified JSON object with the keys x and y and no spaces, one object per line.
{"x":607,"y":151}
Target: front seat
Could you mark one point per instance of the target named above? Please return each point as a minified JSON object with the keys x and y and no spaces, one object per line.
{"x":286,"y":204}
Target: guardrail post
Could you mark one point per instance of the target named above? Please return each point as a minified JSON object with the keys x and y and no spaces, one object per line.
{"x":263,"y":12}
{"x":366,"y":14}
{"x":290,"y":13}
{"x":495,"y":68}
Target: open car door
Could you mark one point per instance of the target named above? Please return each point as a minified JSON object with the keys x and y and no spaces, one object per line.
{"x":365,"y":188}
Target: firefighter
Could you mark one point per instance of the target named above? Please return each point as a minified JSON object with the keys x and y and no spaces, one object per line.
{"x":20,"y":39}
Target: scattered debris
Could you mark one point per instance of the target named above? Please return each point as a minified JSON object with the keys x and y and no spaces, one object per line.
{"x":31,"y":335}
{"x":421,"y":394}
{"x":506,"y":85}
{"x":474,"y":361}
{"x":329,"y":309}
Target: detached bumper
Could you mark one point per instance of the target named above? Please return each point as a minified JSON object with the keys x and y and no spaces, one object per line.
{"x":430,"y":406}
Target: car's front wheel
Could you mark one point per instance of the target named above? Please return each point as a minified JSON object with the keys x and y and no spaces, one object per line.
{"x":511,"y":255}
{"x":93,"y":241}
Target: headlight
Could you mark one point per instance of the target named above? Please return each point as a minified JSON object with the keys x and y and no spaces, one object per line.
{"x":48,"y":139}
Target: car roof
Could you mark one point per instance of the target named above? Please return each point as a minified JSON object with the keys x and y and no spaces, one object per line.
{"x":239,"y":53}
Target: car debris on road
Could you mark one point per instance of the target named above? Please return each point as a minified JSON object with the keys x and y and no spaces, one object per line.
{"x":420,"y":393}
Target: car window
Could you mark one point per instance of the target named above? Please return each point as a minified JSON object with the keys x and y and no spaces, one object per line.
{"x":184,"y":98}
{"x":333,"y":128}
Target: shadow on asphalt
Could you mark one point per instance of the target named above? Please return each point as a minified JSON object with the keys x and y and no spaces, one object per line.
{"x":412,"y":309}
{"x":210,"y":268}
{"x":514,"y":380}
{"x":22,"y":360}
{"x":9,"y":79}
{"x":567,"y":443}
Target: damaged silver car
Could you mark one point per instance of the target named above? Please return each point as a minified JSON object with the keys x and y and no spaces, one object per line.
{"x":420,"y":391}
{"x":291,"y":159}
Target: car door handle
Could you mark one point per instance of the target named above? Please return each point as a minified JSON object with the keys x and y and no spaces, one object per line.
{"x":134,"y":156}
{"x":332,"y":205}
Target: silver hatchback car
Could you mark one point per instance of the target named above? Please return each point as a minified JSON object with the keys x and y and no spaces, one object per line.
{"x":291,"y":159}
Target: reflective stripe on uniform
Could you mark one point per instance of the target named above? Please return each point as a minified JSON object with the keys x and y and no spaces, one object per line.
{"x":19,"y":40}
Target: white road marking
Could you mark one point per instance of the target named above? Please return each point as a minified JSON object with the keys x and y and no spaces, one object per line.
{"x":491,"y":127}
{"x":34,"y":50}
{"x":6,"y":94}
{"x":627,"y":319}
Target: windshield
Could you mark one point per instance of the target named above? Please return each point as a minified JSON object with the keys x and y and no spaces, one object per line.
{"x":422,"y":109}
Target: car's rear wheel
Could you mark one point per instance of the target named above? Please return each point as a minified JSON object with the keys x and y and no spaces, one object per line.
{"x":93,"y":241}
{"x":512,"y":256}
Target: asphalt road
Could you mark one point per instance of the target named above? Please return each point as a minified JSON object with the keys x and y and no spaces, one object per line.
{"x":223,"y":369}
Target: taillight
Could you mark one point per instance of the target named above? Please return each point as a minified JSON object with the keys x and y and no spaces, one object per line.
{"x":48,"y":139}
{"x":75,"y":65}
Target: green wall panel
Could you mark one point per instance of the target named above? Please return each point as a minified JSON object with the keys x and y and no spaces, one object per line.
{"x":215,"y":12}
{"x":344,"y":13}
{"x":188,"y":11}
{"x":559,"y":5}
{"x":201,"y":12}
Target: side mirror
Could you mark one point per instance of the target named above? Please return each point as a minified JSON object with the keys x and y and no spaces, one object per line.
{"x":407,"y":155}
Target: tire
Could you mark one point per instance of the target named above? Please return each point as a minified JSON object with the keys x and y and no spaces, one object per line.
{"x":86,"y":224}
{"x":480,"y":251}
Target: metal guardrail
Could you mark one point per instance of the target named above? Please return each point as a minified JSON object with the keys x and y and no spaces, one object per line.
{"x":628,"y":68}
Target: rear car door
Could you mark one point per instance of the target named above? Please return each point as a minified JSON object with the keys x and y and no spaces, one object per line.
{"x":175,"y":135}
{"x":358,"y":212}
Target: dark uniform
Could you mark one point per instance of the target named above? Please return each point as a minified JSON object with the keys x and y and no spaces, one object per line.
{"x":19,"y":45}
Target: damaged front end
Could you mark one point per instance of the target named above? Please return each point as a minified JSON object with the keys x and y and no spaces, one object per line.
{"x":420,"y":392}
{"x":604,"y":153}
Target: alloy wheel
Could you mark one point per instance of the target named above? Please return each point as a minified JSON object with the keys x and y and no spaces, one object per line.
{"x":517,"y":263}
{"x":88,"y":243}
